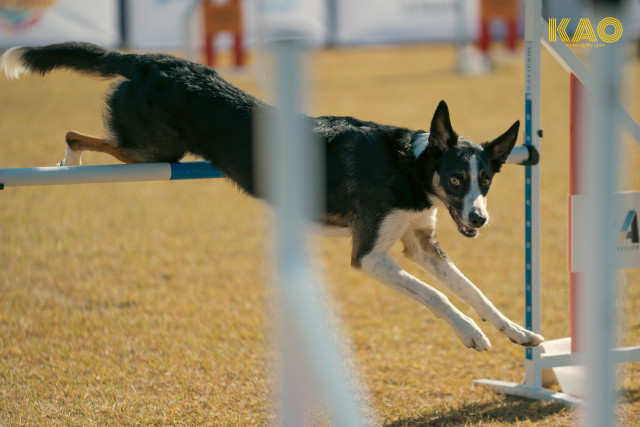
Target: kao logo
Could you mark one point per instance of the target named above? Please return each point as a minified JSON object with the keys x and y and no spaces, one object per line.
{"x":585,"y":35}
{"x":629,"y":230}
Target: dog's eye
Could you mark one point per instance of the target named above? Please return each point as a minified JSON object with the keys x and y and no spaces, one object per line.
{"x":486,"y":182}
{"x":454,"y":181}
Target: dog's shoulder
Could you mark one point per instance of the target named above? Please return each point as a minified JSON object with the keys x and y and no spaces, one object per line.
{"x":342,"y":129}
{"x":375,"y":141}
{"x":371,"y":164}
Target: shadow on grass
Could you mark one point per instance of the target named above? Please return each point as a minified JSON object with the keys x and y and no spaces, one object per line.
{"x":627,"y":395}
{"x":505,"y":410}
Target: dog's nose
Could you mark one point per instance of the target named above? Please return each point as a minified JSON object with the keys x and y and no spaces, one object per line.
{"x":477,"y":220}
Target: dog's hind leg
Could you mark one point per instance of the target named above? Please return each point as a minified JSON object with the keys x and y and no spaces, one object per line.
{"x":72,"y":157}
{"x":422,"y":247}
{"x":77,"y":143}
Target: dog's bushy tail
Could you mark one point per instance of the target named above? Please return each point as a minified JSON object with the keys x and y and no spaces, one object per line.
{"x":82,"y":57}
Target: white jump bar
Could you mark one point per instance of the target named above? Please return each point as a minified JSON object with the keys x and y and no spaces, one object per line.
{"x":62,"y":175}
{"x":522,"y":154}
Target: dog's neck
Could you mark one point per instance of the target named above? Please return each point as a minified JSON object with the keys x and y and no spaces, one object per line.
{"x":420,"y":143}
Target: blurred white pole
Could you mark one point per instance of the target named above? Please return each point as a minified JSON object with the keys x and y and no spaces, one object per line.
{"x":599,"y":174}
{"x":293,"y":165}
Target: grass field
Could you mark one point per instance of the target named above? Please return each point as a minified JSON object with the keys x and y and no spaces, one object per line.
{"x":148,"y":303}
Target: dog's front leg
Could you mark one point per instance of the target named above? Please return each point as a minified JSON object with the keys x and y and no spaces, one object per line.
{"x":381,"y":267}
{"x":422,"y":247}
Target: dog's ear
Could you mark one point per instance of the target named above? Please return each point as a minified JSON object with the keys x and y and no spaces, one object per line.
{"x":500,"y":148}
{"x":441,"y":134}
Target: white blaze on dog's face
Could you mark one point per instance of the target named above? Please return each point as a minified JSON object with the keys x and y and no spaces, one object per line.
{"x":474,"y":205}
{"x":464,"y":171}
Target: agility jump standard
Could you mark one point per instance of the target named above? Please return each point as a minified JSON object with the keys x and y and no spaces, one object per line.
{"x":535,"y":361}
{"x":64,"y":175}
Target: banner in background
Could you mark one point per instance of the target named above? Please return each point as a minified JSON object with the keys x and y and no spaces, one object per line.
{"x":38,"y":22}
{"x":396,"y":21}
{"x":158,"y":24}
{"x":170,"y":24}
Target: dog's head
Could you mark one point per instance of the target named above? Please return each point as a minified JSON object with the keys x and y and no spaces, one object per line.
{"x":463,"y":170}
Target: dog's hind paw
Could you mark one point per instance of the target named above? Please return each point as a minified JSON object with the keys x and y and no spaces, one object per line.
{"x":71,"y":158}
{"x":63,"y":162}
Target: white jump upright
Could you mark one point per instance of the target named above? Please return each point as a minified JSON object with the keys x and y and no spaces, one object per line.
{"x":598,"y":155}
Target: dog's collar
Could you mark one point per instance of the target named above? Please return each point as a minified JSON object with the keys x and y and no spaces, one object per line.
{"x":420,"y":143}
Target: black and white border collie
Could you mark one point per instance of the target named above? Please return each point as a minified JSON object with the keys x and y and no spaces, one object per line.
{"x":384,"y":183}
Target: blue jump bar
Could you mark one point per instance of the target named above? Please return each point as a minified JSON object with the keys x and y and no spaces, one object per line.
{"x":194,"y":170}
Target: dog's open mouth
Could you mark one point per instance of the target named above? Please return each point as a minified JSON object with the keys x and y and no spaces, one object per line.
{"x":465,"y":230}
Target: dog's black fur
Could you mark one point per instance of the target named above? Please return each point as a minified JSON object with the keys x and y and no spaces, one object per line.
{"x":166,"y":107}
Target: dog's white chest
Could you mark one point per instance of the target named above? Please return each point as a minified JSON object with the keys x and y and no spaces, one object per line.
{"x":398,"y":221}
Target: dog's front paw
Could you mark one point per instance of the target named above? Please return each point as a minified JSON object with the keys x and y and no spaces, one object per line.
{"x":471,"y":335}
{"x":519,"y":335}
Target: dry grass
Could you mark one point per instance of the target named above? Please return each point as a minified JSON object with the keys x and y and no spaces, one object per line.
{"x":146,"y":303}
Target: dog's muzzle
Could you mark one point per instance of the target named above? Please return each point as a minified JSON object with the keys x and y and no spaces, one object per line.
{"x":471,"y":230}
